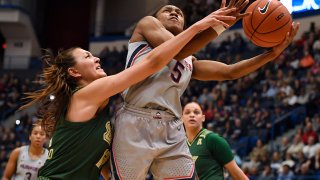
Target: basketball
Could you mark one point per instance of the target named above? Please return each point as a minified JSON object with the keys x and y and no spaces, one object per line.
{"x":268,"y":23}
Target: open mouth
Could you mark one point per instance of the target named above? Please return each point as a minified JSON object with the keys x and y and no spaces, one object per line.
{"x":99,"y":67}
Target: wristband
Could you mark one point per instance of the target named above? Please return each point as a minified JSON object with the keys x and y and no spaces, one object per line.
{"x":219,"y":29}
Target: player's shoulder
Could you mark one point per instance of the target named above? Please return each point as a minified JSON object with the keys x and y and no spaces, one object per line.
{"x":149,"y":22}
{"x":213,"y":136}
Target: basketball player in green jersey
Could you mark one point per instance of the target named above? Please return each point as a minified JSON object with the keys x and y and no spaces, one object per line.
{"x":76,"y":117}
{"x":210,"y":151}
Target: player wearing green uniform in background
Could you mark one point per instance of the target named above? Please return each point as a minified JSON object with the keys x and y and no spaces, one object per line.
{"x":210,"y":151}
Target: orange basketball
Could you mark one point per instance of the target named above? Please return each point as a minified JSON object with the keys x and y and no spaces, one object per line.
{"x":268,"y":23}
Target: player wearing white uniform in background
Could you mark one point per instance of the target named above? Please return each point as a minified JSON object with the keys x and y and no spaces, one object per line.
{"x":25,"y":161}
{"x":148,"y":131}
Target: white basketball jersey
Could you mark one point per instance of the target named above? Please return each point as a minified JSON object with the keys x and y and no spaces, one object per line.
{"x":161,"y":90}
{"x":26,"y":167}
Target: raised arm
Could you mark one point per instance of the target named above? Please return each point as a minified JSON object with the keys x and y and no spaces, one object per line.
{"x":87,"y":100}
{"x":152,"y":30}
{"x":212,"y":70}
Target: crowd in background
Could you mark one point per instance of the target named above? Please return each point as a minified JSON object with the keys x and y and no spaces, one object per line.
{"x":282,"y":96}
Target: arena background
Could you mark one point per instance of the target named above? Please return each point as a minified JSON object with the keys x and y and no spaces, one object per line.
{"x":265,"y":116}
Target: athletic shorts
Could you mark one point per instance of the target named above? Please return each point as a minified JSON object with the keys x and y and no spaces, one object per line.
{"x":150,"y":140}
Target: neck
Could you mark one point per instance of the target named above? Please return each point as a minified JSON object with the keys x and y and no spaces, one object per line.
{"x":35,"y":150}
{"x":192,"y":133}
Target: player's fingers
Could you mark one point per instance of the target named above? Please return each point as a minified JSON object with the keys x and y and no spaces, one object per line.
{"x":223,"y":4}
{"x":242,"y":6}
{"x":239,"y":16}
{"x":217,"y":22}
{"x":239,"y":3}
{"x":225,"y":18}
{"x":228,"y":11}
{"x":231,"y":4}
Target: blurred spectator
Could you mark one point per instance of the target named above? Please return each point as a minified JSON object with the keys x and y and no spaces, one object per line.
{"x":296,"y":146}
{"x":286,"y":173}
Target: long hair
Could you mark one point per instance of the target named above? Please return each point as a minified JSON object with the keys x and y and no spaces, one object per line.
{"x":56,"y":82}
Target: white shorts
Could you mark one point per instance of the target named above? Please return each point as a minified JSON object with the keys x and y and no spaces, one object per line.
{"x":146,"y":139}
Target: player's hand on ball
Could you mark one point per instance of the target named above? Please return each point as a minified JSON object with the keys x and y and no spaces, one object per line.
{"x":239,"y":5}
{"x":214,"y":19}
{"x":289,"y":37}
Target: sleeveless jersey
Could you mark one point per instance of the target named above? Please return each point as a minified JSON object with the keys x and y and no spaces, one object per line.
{"x":78,"y":150}
{"x":27,"y":168}
{"x":161,"y":90}
{"x":210,"y":153}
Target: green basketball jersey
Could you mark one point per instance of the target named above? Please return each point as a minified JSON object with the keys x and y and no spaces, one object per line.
{"x":78,"y":150}
{"x":210,"y":153}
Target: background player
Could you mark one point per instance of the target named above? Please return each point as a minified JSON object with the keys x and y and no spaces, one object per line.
{"x":25,"y":161}
{"x":210,"y":151}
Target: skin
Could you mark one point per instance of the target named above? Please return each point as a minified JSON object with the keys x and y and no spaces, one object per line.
{"x":83,"y":106}
{"x":169,"y":22}
{"x":37,"y":139}
{"x":193,"y":119}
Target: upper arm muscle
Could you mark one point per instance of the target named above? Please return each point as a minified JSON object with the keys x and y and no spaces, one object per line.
{"x":150,"y":29}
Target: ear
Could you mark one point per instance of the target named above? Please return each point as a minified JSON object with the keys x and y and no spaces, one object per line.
{"x":203,"y":118}
{"x":73,"y":72}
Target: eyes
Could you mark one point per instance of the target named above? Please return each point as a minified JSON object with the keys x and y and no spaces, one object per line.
{"x":196,"y":112}
{"x":88,"y":55}
{"x":178,"y":11}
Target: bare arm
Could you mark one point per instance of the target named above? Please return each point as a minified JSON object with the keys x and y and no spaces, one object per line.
{"x":212,"y":70}
{"x":150,"y":29}
{"x":11,"y":166}
{"x":235,"y":171}
{"x":87,"y":100}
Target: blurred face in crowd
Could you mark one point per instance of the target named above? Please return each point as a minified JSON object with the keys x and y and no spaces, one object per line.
{"x":192,"y":116}
{"x":172,"y":18}
{"x":87,"y":67}
{"x":37,"y":136}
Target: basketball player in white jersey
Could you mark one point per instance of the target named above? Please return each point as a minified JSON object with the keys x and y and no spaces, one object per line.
{"x":149,"y":134}
{"x":24,"y":162}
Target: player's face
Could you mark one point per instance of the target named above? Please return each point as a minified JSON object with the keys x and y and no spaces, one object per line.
{"x":172,"y":18}
{"x":38,"y":136}
{"x":87,"y":66}
{"x":192,"y":116}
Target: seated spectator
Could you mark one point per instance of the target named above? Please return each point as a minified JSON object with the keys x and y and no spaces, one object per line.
{"x":267,"y":174}
{"x":296,"y":146}
{"x":259,"y":150}
{"x":311,"y":148}
{"x":286,"y":173}
{"x":309,"y":132}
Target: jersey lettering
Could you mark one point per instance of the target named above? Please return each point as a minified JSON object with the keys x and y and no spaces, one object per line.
{"x":50,"y":153}
{"x":107,"y":136}
{"x":28,"y":175}
{"x":176,"y":74}
{"x":199,"y":142}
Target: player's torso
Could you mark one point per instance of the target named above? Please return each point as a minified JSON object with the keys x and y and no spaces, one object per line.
{"x":207,"y":167}
{"x":78,"y":150}
{"x":161,"y":90}
{"x":27,"y":168}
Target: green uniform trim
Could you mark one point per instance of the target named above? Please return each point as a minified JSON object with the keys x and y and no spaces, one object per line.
{"x":210,"y":153}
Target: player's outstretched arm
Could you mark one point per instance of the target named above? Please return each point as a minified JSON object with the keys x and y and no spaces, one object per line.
{"x":89,"y":98}
{"x":151,"y":30}
{"x":212,"y":70}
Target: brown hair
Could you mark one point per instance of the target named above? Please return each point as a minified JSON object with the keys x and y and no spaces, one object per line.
{"x":56,"y":81}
